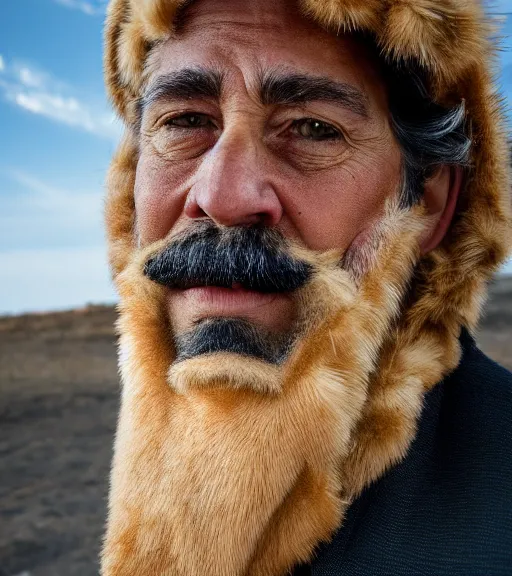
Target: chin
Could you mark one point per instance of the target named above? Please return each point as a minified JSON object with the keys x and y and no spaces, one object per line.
{"x":229,"y":352}
{"x":241,"y":353}
{"x":226,"y":370}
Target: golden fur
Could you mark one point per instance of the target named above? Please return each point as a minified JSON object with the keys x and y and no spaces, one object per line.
{"x":230,"y":481}
{"x":227,"y":478}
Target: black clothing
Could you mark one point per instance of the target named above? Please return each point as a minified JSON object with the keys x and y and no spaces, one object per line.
{"x":447,"y":508}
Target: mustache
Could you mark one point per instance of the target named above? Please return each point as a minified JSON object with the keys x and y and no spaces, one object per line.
{"x":255,"y":258}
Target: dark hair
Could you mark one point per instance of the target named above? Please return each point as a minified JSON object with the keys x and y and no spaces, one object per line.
{"x":429,"y":135}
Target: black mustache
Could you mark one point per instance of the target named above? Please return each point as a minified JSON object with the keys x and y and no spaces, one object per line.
{"x":253,"y":257}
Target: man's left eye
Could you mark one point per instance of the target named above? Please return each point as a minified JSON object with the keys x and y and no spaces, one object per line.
{"x":189,"y":121}
{"x":316,"y":129}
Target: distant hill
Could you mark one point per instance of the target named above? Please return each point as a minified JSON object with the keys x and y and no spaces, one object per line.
{"x":498,"y":310}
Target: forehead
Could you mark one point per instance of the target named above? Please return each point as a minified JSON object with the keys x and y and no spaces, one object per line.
{"x":252,"y":37}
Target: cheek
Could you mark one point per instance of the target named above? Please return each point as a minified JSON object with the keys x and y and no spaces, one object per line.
{"x":158,"y":198}
{"x":329,"y":210}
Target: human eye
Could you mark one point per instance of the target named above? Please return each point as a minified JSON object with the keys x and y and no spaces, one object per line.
{"x":181,"y":134}
{"x":190,"y":120}
{"x":313,"y":129}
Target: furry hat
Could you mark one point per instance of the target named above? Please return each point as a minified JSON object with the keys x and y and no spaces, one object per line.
{"x":450,"y":40}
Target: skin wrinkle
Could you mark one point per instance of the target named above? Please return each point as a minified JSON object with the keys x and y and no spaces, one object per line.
{"x":247,"y":164}
{"x":182,"y":84}
{"x":201,"y":451}
{"x":256,"y":18}
{"x":275,"y":87}
{"x":283,"y":88}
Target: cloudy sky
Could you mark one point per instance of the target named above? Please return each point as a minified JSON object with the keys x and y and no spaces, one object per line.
{"x":57,"y":134}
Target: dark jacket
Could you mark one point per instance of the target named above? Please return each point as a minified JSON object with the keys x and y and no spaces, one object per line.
{"x":447,"y":508}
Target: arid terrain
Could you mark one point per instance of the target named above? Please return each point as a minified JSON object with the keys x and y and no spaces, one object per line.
{"x":58,"y":404}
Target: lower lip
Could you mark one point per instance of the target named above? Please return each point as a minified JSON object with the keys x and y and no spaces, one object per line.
{"x":218,"y":301}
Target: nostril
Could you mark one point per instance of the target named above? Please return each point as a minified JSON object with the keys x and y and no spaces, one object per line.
{"x":265,"y":218}
{"x":258,"y":219}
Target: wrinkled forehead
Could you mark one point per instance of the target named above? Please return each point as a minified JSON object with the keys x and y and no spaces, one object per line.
{"x":276,"y":14}
{"x":254,"y":38}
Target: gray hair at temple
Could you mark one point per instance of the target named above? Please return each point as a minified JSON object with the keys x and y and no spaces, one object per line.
{"x":429,"y":135}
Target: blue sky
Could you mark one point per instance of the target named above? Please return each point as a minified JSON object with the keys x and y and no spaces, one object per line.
{"x":57,"y":135}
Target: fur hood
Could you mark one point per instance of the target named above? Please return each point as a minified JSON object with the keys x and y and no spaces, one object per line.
{"x":451,"y":41}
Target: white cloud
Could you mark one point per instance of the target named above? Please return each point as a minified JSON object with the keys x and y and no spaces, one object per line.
{"x":91,"y":8}
{"x":46,"y":198}
{"x":68,"y":111}
{"x":68,"y":267}
{"x":2,"y":64}
{"x":43,"y":215}
{"x":53,"y":279}
{"x":30,"y":78}
{"x":39,"y":93}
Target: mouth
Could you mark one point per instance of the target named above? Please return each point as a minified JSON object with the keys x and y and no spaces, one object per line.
{"x":220,"y":301}
{"x":239,"y":273}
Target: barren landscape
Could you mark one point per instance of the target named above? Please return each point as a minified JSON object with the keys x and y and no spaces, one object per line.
{"x":58,"y":403}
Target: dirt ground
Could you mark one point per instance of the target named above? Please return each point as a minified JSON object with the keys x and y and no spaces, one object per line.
{"x":58,"y":405}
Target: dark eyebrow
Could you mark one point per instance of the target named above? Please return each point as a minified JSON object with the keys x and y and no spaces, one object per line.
{"x":183,"y":85}
{"x":289,"y":89}
{"x":275,"y":88}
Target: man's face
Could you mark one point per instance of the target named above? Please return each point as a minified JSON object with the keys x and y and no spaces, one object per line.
{"x":255,"y":116}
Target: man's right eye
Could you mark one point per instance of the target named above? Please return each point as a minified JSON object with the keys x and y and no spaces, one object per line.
{"x":189,"y":121}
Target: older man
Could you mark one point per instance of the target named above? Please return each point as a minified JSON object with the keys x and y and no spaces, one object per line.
{"x":304,"y":212}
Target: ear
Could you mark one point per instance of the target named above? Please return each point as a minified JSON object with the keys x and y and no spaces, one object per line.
{"x":440,"y":195}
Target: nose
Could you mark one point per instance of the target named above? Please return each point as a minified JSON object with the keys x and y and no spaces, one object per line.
{"x":233,"y":186}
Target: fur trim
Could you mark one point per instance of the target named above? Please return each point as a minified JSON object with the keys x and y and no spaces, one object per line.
{"x":353,"y":408}
{"x":249,"y":482}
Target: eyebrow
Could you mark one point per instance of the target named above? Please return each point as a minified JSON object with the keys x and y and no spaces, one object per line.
{"x":289,"y":89}
{"x":275,"y":89}
{"x":183,"y":84}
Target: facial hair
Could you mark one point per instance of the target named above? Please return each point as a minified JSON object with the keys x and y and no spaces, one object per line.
{"x":231,"y":465}
{"x":254,"y":258}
